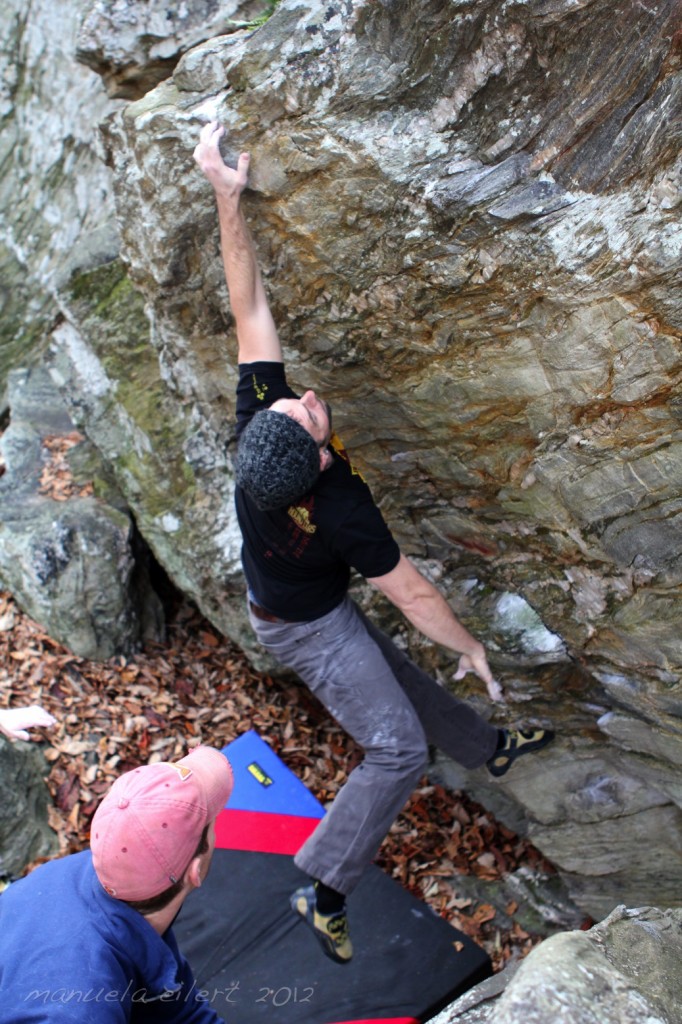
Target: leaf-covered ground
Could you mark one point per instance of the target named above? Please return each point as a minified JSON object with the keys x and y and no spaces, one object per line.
{"x":197,"y":688}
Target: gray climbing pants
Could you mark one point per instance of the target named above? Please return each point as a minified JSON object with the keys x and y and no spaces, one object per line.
{"x":392,"y":709}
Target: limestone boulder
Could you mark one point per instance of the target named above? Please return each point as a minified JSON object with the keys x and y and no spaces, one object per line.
{"x":493,"y":287}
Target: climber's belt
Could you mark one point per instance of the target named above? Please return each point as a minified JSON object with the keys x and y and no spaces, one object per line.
{"x":263,"y":614}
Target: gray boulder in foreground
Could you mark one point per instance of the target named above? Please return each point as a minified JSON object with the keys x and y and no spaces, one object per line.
{"x":69,"y":563}
{"x":24,"y":831}
{"x":625,"y":970}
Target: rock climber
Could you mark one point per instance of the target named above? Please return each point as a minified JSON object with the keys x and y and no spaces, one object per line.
{"x":307,"y":519}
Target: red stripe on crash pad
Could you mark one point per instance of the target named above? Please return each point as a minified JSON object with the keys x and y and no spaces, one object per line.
{"x":381,"y":1020}
{"x":262,"y":832}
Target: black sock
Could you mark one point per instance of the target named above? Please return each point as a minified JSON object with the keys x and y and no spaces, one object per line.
{"x":328,"y":900}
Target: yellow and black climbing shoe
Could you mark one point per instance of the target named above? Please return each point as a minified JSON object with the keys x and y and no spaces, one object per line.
{"x":331,"y":930}
{"x":514,"y":743}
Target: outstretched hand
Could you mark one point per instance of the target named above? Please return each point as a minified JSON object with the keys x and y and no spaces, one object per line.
{"x":15,"y":721}
{"x":226,"y":181}
{"x":478,"y":663}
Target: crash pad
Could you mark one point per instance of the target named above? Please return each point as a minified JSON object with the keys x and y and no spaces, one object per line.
{"x":256,"y":960}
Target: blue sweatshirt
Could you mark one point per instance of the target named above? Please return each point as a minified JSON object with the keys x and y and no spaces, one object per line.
{"x":73,"y":954}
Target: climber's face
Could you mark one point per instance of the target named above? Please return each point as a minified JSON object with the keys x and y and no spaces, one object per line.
{"x":313,"y":413}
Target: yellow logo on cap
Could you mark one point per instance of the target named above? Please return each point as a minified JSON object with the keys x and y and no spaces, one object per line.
{"x":183,"y":771}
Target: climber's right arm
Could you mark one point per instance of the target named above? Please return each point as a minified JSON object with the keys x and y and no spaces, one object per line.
{"x":257,"y":336}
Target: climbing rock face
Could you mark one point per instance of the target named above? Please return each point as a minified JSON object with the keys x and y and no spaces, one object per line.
{"x":467,"y":216}
{"x":135,"y":44}
{"x":55,"y":194}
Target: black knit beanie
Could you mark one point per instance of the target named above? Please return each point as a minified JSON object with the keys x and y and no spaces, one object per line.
{"x":277,"y":460}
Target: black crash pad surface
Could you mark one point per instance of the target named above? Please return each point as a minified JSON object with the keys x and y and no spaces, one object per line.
{"x":259,"y":962}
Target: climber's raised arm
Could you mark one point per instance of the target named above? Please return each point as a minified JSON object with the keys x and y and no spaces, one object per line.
{"x":256,"y":332}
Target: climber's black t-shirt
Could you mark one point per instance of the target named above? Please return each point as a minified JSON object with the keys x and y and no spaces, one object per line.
{"x":297,"y":560}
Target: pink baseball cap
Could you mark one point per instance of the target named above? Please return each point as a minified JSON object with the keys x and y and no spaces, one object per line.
{"x":148,"y":826}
